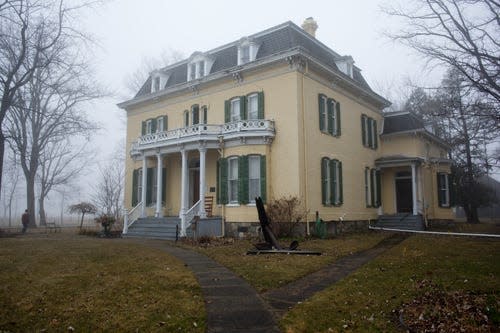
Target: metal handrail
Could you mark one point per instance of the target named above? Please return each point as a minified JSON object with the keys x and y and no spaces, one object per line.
{"x":191,"y":213}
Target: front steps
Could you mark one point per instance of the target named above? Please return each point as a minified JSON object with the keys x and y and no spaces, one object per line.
{"x":154,"y":227}
{"x":166,"y":228}
{"x":401,"y":221}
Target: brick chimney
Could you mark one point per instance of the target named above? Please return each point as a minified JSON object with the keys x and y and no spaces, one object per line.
{"x":310,"y":26}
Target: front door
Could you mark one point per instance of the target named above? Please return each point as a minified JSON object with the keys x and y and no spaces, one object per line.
{"x":195,"y":187}
{"x":404,"y":199}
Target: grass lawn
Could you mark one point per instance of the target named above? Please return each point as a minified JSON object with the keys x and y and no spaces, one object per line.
{"x":51,"y":282}
{"x":364,"y":301}
{"x":270,"y":271}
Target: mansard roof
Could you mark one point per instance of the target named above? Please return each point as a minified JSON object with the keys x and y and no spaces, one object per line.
{"x":273,"y":42}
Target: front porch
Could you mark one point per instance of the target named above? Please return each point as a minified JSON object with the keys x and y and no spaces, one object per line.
{"x":185,"y":159}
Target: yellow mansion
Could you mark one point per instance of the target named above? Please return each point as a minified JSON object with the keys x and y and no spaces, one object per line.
{"x":274,"y":114}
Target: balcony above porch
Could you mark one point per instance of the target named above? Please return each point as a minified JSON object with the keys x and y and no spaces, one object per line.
{"x":212,"y":136}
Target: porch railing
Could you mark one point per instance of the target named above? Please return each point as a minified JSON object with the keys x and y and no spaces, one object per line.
{"x":190,"y":214}
{"x":130,"y":217}
{"x":195,"y":131}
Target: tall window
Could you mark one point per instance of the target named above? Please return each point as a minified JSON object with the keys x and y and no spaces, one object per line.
{"x":161,"y":124}
{"x":156,"y":84}
{"x":233,"y":180}
{"x":240,"y":179}
{"x":246,"y":107}
{"x":253,"y":106}
{"x":192,"y":71}
{"x":149,"y":126}
{"x":443,"y":190}
{"x":235,"y":110}
{"x":253,"y":177}
{"x":372,"y":187}
{"x":244,"y":54}
{"x":201,"y":69}
{"x":331,"y":182}
{"x":329,"y":115}
{"x":369,"y":133}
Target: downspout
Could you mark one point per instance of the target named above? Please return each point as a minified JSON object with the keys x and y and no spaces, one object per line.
{"x":304,"y":139}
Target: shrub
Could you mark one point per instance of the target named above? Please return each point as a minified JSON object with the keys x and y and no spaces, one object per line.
{"x":106,"y":222}
{"x":285,"y":215}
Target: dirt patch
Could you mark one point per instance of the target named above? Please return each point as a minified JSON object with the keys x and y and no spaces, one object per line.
{"x":460,"y":311}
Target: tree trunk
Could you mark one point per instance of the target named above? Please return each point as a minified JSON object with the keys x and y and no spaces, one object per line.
{"x":2,"y":151}
{"x":81,"y":222}
{"x":41,"y":207}
{"x":30,"y":200}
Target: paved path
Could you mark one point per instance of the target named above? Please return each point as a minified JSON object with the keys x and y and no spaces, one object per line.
{"x":232,"y":305}
{"x":284,"y":298}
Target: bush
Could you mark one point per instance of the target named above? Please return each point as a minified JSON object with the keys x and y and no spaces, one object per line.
{"x":285,"y":215}
{"x":106,"y":222}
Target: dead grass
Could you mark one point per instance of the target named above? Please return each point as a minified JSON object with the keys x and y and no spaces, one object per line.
{"x":54,"y":281}
{"x":369,"y":299}
{"x":266,"y":272}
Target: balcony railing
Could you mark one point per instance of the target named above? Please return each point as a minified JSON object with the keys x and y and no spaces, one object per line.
{"x":197,"y":132}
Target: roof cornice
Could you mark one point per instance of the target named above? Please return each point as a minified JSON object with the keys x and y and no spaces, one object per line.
{"x":420,"y":131}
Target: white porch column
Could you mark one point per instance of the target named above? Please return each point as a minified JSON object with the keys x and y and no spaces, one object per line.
{"x":159,"y":167}
{"x":414,"y":187}
{"x":144,"y":185}
{"x":203,"y":154}
{"x":184,"y":191}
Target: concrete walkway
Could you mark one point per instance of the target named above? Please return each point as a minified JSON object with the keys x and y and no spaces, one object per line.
{"x":232,"y":305}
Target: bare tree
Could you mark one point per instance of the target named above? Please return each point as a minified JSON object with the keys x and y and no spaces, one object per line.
{"x":10,"y":185}
{"x":60,"y":163}
{"x":48,"y":109}
{"x":29,"y":31}
{"x":108,"y":193}
{"x":136,"y":80}
{"x":82,"y":208}
{"x":463,"y":34}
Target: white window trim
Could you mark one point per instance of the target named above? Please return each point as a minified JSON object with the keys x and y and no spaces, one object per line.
{"x":251,"y":198}
{"x":149,"y":126}
{"x":446,"y":188}
{"x":253,"y":48}
{"x":238,"y":114}
{"x":232,"y":202}
{"x":197,"y":59}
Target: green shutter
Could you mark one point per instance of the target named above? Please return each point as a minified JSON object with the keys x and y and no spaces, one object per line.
{"x":341,"y":190}
{"x":370,"y":129}
{"x":337,"y":117}
{"x":372,"y":188}
{"x":324,"y":180}
{"x":321,"y":107}
{"x":135,"y":175}
{"x":223,"y":181}
{"x":205,"y":115}
{"x":186,"y":118}
{"x":164,"y":185}
{"x":333,"y":182}
{"x":165,"y":123}
{"x":243,"y":179}
{"x":227,"y":111}
{"x":440,"y":193}
{"x":243,"y":108}
{"x":263,"y":183}
{"x":367,"y":186}
{"x":363,"y":130}
{"x":218,"y":180}
{"x":379,"y":188}
{"x":375,"y":134}
{"x":260,"y":110}
{"x":149,"y":186}
{"x":143,"y":128}
{"x":330,"y":105}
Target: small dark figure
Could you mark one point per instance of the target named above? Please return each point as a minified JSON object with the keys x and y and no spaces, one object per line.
{"x":25,"y":219}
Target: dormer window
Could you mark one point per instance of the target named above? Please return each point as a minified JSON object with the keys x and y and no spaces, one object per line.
{"x":158,"y":80}
{"x":199,"y":66}
{"x":247,"y":50}
{"x":345,"y":65}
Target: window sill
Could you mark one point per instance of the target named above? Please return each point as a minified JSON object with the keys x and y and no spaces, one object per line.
{"x":232,"y":205}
